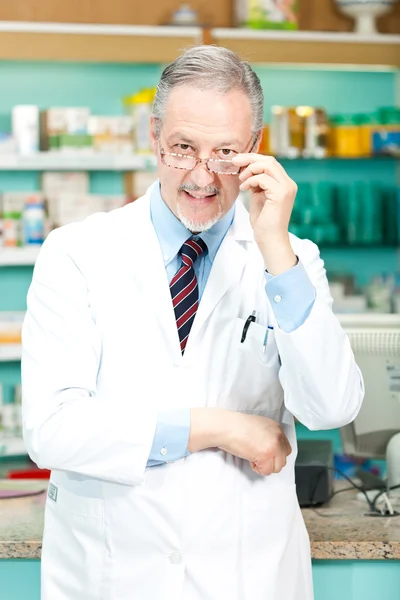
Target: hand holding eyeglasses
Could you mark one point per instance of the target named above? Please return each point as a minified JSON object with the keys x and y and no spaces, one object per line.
{"x":272,"y":194}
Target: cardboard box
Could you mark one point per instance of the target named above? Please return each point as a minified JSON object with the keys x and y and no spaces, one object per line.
{"x":267,"y":14}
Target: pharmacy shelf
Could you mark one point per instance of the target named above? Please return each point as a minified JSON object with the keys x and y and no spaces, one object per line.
{"x":161,"y":44}
{"x":311,"y":47}
{"x":66,"y":161}
{"x":13,"y":446}
{"x":94,"y":43}
{"x":10,"y":352}
{"x":17,"y":257}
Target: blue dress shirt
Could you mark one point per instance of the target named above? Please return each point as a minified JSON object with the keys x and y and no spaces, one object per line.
{"x":291,"y":294}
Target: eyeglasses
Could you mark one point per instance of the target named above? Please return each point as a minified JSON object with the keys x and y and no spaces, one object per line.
{"x":188,"y":163}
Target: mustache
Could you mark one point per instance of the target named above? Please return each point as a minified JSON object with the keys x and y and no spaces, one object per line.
{"x":192,"y":187}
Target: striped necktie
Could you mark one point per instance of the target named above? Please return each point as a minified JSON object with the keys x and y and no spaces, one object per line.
{"x":184,"y":289}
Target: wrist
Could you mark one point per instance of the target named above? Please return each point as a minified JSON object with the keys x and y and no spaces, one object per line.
{"x":209,"y":428}
{"x":277,"y":253}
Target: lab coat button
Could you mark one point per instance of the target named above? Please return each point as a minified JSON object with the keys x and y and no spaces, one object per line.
{"x":277,"y":298}
{"x":163,"y":451}
{"x":175,"y":558}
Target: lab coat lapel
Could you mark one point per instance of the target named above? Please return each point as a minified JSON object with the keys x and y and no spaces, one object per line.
{"x":227,"y":268}
{"x":150,"y":275}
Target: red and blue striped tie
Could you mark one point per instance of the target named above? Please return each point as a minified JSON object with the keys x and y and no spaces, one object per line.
{"x":184,"y":289}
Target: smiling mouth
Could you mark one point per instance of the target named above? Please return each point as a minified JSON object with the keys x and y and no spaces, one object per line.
{"x":195,"y":196}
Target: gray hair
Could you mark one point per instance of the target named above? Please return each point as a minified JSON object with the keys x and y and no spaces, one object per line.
{"x":210,"y":68}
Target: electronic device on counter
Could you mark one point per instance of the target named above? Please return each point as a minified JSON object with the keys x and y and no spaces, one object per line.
{"x":375,"y":432}
{"x":314,"y":472}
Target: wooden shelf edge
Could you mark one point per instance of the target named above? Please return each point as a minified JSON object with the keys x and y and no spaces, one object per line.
{"x":87,"y":47}
{"x":148,"y":44}
{"x":310,"y":52}
{"x":99,"y":29}
{"x":303,"y":36}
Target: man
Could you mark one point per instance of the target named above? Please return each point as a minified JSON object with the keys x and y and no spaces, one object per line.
{"x":167,"y":346}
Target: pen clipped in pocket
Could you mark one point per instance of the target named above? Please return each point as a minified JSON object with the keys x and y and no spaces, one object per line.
{"x":259,"y":340}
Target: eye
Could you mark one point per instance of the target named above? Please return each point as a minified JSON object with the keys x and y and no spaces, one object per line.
{"x":183,"y":148}
{"x":226,"y":153}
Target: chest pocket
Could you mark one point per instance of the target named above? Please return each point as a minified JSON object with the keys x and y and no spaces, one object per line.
{"x":252,"y":383}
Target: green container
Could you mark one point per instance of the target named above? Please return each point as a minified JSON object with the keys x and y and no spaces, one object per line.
{"x":391,"y":215}
{"x":360,"y":211}
{"x":74,"y":141}
{"x":349,"y":214}
{"x":371,"y":231}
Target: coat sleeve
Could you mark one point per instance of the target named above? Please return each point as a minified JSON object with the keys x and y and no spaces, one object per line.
{"x":66,"y":424}
{"x":323,"y":386}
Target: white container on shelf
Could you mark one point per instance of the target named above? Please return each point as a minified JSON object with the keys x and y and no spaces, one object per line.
{"x":365,"y":13}
{"x":25,"y":128}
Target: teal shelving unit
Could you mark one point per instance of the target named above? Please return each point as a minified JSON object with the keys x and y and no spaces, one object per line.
{"x":102,"y":86}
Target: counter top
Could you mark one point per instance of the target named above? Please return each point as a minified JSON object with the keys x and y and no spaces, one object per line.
{"x":338,"y":530}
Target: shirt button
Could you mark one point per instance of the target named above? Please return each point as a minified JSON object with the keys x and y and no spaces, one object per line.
{"x":175,"y":558}
{"x":163,"y":451}
{"x":277,"y":298}
{"x":166,"y":258}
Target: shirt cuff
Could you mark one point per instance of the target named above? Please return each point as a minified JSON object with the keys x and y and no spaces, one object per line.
{"x":171,"y":437}
{"x":292,"y":296}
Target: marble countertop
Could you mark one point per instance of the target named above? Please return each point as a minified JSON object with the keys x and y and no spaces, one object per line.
{"x":338,"y":530}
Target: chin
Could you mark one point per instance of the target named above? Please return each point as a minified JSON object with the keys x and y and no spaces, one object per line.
{"x":197,"y":225}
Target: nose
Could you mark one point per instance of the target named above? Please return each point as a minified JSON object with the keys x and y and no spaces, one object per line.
{"x":201,"y":176}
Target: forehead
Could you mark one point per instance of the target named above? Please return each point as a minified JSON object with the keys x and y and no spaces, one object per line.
{"x":207,"y":115}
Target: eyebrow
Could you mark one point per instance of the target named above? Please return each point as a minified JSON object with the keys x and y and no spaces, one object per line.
{"x":186,"y":140}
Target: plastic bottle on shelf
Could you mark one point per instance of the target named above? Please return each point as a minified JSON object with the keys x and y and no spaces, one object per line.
{"x":139,"y":106}
{"x":386,"y":137}
{"x":8,"y":420}
{"x":33,"y":221}
{"x":396,"y":293}
{"x":18,"y":409}
{"x":264,"y":142}
{"x":1,"y":408}
{"x":346,"y":137}
{"x":379,"y":293}
{"x":12,"y":229}
{"x":367,"y":123}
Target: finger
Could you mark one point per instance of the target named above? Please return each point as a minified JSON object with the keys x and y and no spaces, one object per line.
{"x":262,"y":166}
{"x":289,"y":448}
{"x":266,"y":467}
{"x":286,"y":446}
{"x":243,"y":160}
{"x":265,"y":182}
{"x":279,"y":463}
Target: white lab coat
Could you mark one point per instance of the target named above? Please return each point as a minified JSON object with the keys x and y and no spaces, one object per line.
{"x":101,"y":356}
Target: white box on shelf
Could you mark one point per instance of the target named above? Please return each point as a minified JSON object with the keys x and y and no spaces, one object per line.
{"x":71,"y":208}
{"x":56,"y":183}
{"x":12,"y":446}
{"x":77,"y":119}
{"x":10,"y":333}
{"x":113,"y":202}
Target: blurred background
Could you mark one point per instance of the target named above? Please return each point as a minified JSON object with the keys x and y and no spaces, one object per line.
{"x":77,"y":82}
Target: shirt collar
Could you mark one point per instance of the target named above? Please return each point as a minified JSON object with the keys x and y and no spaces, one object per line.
{"x":172,"y":233}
